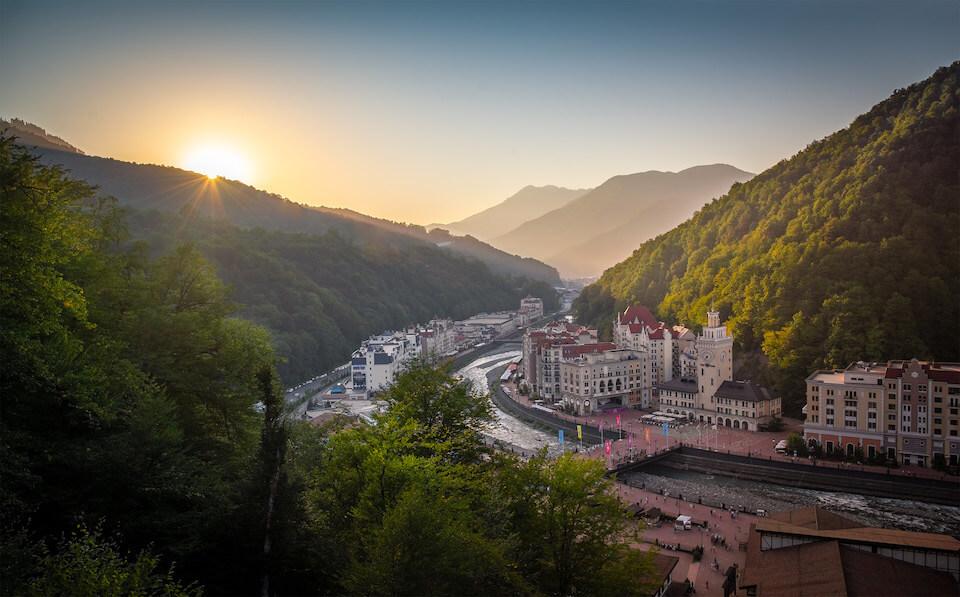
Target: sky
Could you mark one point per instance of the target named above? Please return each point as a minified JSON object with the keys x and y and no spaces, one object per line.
{"x":428,"y":112}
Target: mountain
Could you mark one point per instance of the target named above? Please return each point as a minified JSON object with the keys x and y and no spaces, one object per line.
{"x":32,"y":135}
{"x":576,"y":238}
{"x":164,"y":188}
{"x":319,"y":279}
{"x":321,"y":294}
{"x":848,"y":250}
{"x":526,"y":204}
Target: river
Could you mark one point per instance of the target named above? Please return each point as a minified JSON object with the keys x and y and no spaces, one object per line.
{"x":873,"y":511}
{"x":506,"y":428}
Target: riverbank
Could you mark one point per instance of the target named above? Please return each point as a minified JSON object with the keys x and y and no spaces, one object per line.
{"x":824,"y":476}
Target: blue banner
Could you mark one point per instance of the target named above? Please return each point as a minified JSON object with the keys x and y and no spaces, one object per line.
{"x":666,"y":429}
{"x":561,"y":436}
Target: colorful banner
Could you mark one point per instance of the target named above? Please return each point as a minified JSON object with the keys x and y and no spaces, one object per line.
{"x":561,"y":437}
{"x":607,"y":447}
{"x":579,"y":432}
{"x":666,"y":429}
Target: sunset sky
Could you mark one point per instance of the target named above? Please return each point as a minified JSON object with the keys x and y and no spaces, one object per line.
{"x":428,"y":112}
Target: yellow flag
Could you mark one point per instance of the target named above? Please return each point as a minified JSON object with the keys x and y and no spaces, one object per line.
{"x":579,"y":432}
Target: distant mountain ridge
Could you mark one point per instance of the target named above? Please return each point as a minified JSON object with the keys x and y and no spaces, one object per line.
{"x":165,"y":188}
{"x":528,"y":203}
{"x":595,"y":230}
{"x":32,"y":135}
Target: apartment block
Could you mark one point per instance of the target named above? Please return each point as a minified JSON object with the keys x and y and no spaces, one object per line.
{"x":905,"y":411}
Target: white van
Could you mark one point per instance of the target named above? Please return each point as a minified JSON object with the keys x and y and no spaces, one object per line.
{"x":781,"y":447}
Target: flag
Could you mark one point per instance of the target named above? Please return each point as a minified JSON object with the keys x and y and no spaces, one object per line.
{"x":601,"y":427}
{"x":646,"y":435}
{"x":561,"y":437}
{"x":607,"y":447}
{"x":579,"y":432}
{"x":666,"y":428}
{"x":618,"y":420}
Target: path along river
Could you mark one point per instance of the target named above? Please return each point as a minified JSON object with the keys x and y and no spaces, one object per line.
{"x":902,"y":514}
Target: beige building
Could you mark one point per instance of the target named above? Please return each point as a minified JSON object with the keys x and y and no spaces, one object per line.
{"x":706,"y":391}
{"x":907,"y":411}
{"x":593,"y":380}
{"x":542,"y":352}
{"x":637,"y":329}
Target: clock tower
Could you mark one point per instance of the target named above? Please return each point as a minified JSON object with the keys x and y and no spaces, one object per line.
{"x":714,"y":359}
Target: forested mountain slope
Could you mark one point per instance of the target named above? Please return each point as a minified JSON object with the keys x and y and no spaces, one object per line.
{"x":164,"y":188}
{"x":321,"y":294}
{"x":848,"y":250}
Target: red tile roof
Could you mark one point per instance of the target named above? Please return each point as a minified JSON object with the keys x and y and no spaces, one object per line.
{"x":575,"y":350}
{"x":639,"y":314}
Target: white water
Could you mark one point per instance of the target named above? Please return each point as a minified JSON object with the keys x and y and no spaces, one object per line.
{"x":506,"y":428}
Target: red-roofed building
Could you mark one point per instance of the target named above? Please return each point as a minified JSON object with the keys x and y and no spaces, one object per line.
{"x":907,"y":411}
{"x":543,"y":351}
{"x":637,"y":329}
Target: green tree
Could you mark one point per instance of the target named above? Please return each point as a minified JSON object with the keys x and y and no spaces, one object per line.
{"x":88,"y":564}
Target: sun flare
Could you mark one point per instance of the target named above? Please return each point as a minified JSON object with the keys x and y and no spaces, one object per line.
{"x":218,"y":161}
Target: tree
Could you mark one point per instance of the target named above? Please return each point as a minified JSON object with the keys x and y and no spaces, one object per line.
{"x":88,"y":564}
{"x":571,"y":531}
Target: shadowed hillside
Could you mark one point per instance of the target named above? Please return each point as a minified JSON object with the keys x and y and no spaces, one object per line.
{"x":164,"y":188}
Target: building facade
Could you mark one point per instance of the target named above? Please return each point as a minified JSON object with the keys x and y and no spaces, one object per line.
{"x":706,"y":391}
{"x":905,"y":411}
{"x":597,"y":377}
{"x":542,"y":352}
{"x":437,"y":339}
{"x":531,"y":309}
{"x":379,"y":359}
{"x":637,"y":329}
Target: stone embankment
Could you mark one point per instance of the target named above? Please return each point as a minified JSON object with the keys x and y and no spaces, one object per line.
{"x":825,"y":476}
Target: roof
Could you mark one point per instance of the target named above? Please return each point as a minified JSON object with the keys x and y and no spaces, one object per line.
{"x":829,"y":568}
{"x":813,"y":517}
{"x":678,"y":385}
{"x":575,"y":350}
{"x":743,"y":390}
{"x":872,"y":575}
{"x":829,"y":565}
{"x":806,"y":570}
{"x":945,"y":372}
{"x":639,"y":314}
{"x":862,"y":534}
{"x":664,"y":564}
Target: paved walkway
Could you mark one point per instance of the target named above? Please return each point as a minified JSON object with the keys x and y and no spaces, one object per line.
{"x":702,"y":574}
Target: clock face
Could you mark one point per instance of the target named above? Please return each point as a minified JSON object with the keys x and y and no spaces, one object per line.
{"x":706,"y":356}
{"x":914,"y":374}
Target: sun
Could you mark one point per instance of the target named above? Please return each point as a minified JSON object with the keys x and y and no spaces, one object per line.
{"x":217,"y":161}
